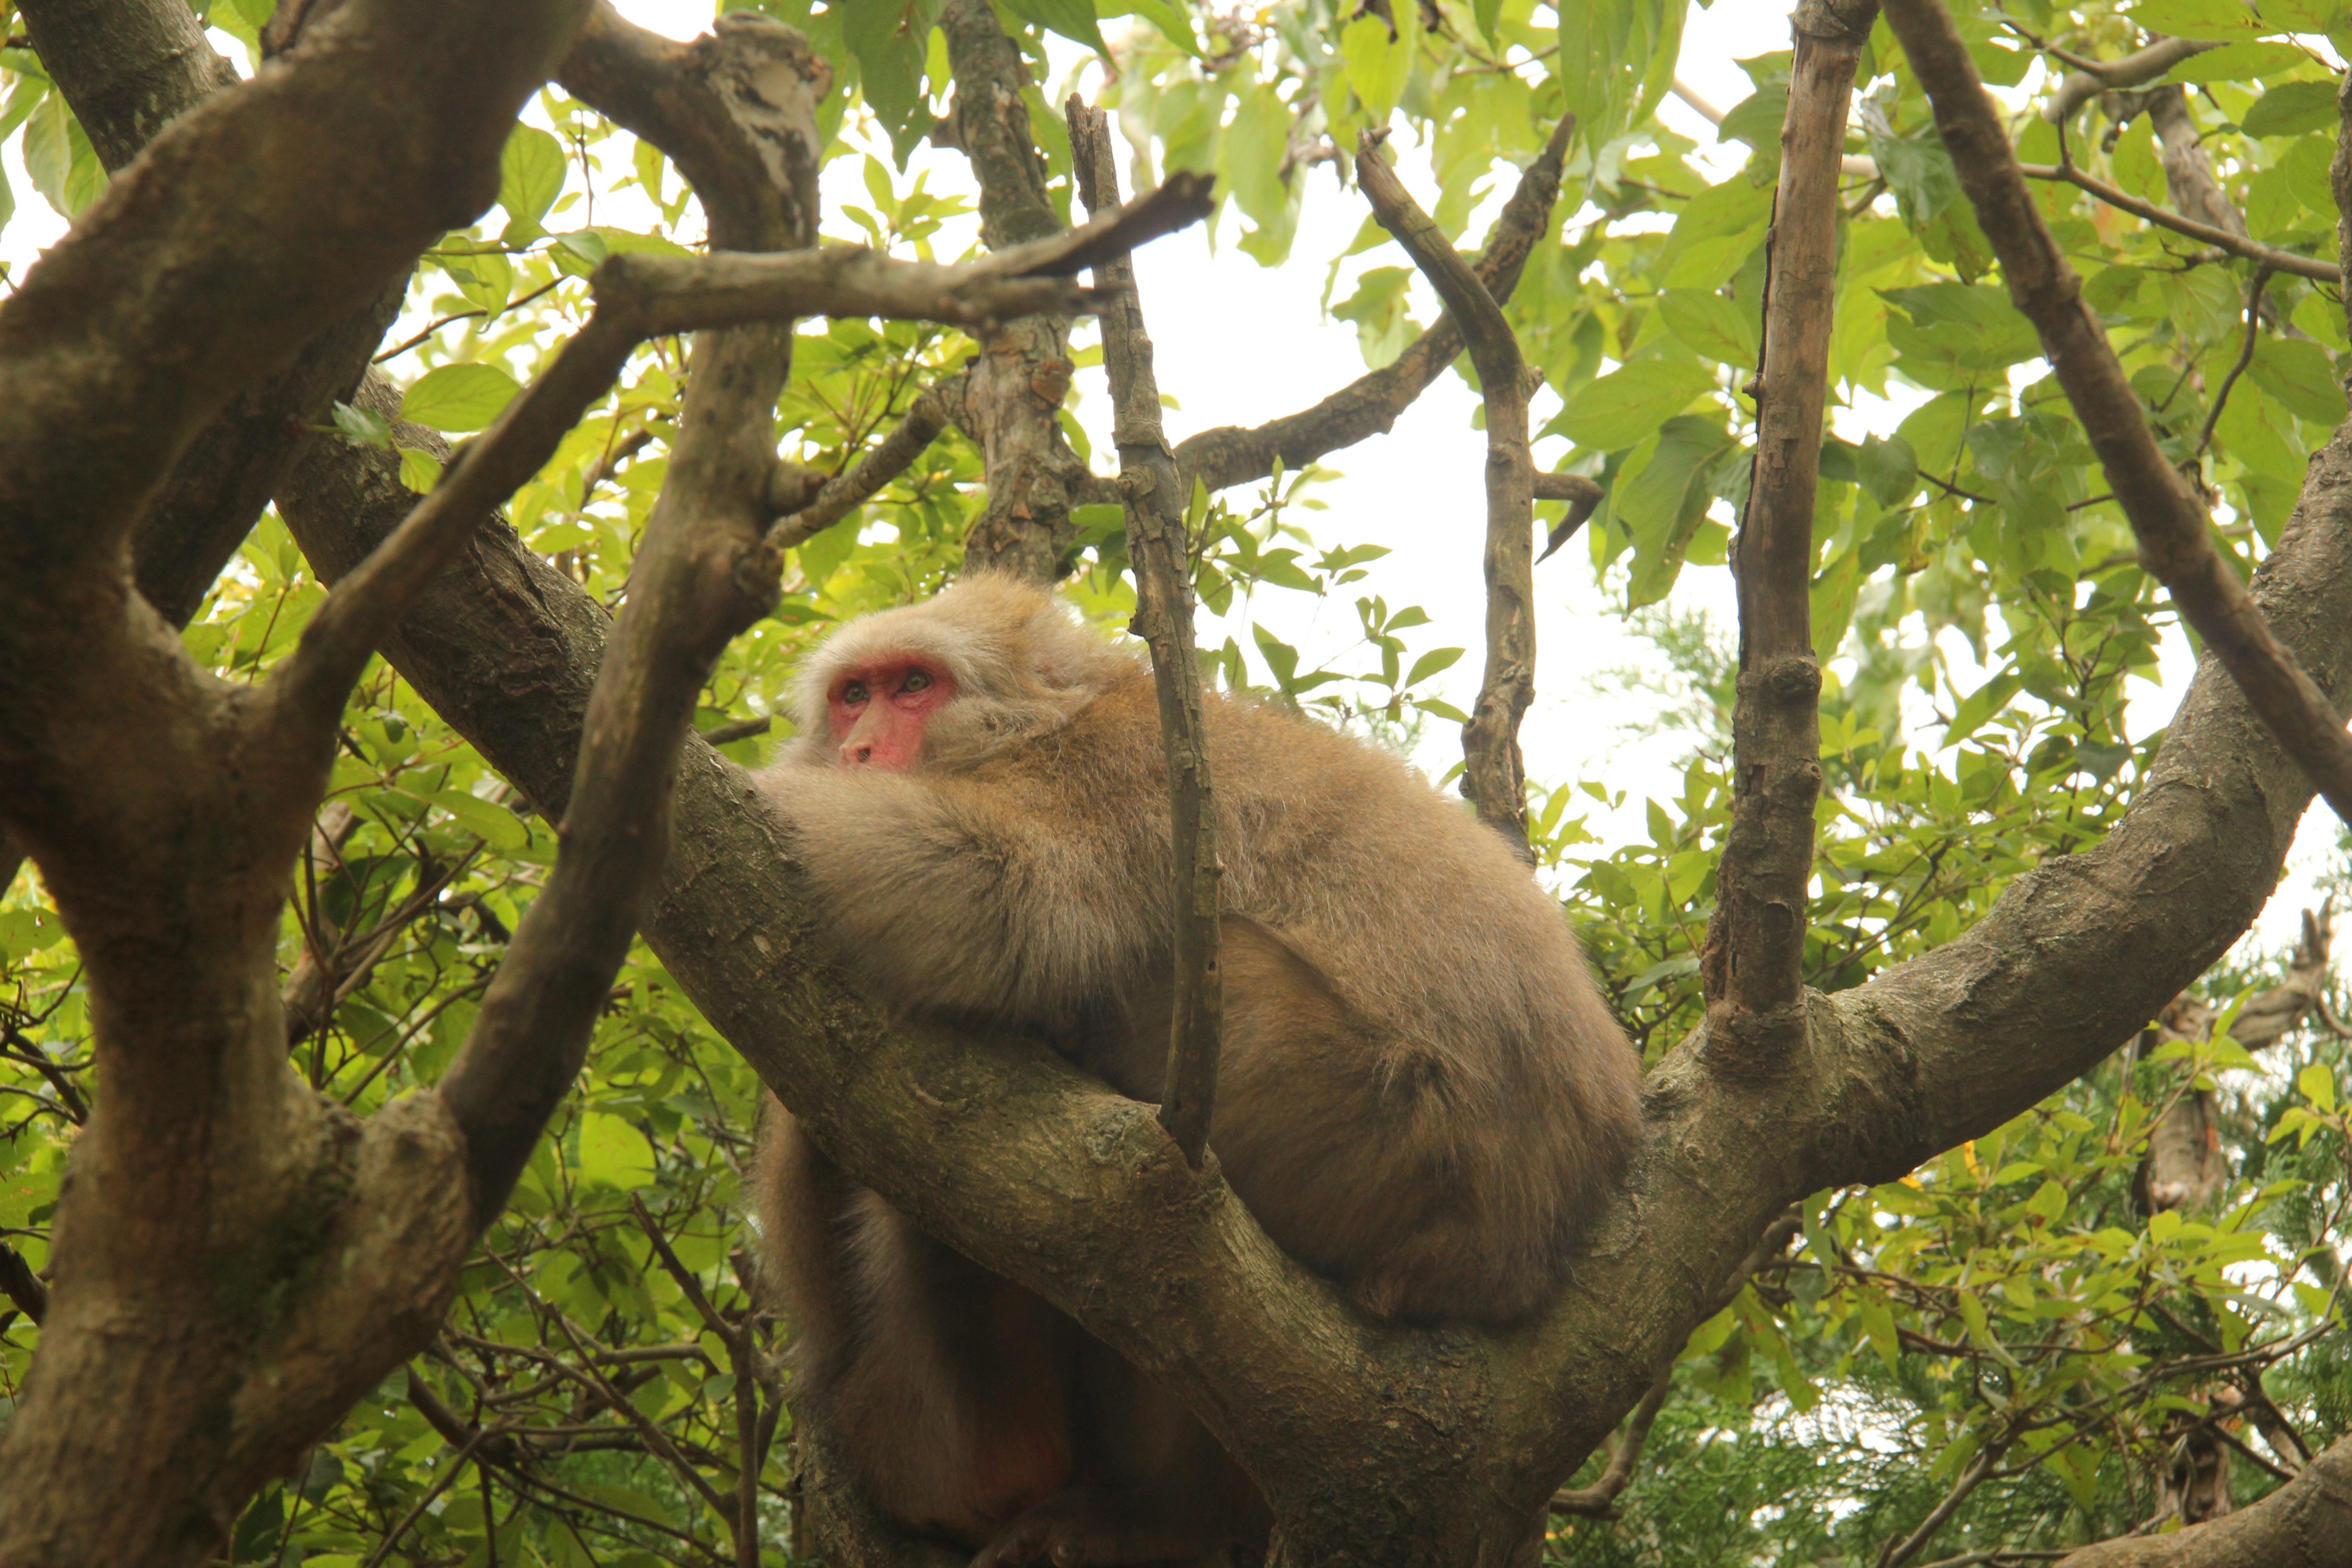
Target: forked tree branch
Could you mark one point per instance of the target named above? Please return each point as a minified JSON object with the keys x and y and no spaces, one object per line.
{"x":1753,"y":961}
{"x":639,"y":296}
{"x":2175,"y":534}
{"x":1158,"y":543}
{"x":1232,"y":455}
{"x":2091,"y":77}
{"x":1494,"y":776}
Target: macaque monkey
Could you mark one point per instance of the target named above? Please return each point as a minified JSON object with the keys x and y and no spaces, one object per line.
{"x":1421,"y":1091}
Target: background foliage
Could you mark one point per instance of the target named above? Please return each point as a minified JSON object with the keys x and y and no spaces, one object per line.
{"x":2009,"y":1322}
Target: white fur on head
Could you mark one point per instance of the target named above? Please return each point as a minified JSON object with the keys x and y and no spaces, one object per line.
{"x":1020,"y":662}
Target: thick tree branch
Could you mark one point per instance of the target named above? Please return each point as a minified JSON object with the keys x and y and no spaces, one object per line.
{"x":1494,"y":775}
{"x":1232,"y":455}
{"x":1753,"y":961}
{"x":1159,"y":543}
{"x":2306,"y":1523}
{"x":1599,"y":1500}
{"x":2173,"y":533}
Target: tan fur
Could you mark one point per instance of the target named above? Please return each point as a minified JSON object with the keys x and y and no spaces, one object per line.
{"x":1419,"y":1093}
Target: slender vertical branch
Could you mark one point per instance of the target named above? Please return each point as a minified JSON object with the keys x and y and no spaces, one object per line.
{"x":1163,"y":619}
{"x":1754,"y":958}
{"x":2176,"y":536}
{"x":1494,"y":775}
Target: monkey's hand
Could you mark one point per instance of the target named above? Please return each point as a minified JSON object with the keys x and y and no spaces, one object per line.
{"x":1096,"y":1527}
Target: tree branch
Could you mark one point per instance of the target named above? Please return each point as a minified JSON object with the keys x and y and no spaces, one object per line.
{"x":1494,"y":775}
{"x":639,"y":296}
{"x":1158,"y":541}
{"x":2090,"y":78}
{"x":2174,"y":533}
{"x":1753,"y":960}
{"x":2306,"y":1523}
{"x":876,"y":467}
{"x":1232,"y":455}
{"x":2238,"y":245}
{"x":1599,"y":1500}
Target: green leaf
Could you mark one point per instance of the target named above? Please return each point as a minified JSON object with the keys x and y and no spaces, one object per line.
{"x":612,"y":1153}
{"x":458,"y":397}
{"x":419,"y":470}
{"x":531,"y":176}
{"x":1889,"y":470}
{"x":1430,"y":663}
{"x":1663,"y":505}
{"x":2317,"y":1084}
{"x":2238,"y":62}
{"x":1378,"y":67}
{"x":1619,"y":409}
{"x":493,"y":824}
{"x":2291,"y":108}
{"x":1832,"y":601}
{"x":1951,"y":334}
{"x":361,"y":427}
{"x":1249,"y":156}
{"x":1073,"y":19}
{"x":2197,"y":18}
{"x":1709,"y":323}
{"x":47,"y":150}
{"x":2299,"y":374}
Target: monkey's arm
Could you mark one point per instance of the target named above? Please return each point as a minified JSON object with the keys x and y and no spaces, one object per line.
{"x":961,"y":894}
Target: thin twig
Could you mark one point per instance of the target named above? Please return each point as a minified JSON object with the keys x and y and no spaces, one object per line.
{"x":2238,"y":245}
{"x":886,"y":461}
{"x":1495,"y":773}
{"x":2169,"y":520}
{"x":1897,"y":1553}
{"x":2245,"y":358}
{"x":1158,"y":544}
{"x":2091,"y":77}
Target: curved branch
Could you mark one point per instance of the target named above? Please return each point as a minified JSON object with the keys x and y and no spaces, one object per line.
{"x":1232,"y":455}
{"x":1494,"y":774}
{"x":2090,"y":78}
{"x":2238,"y":245}
{"x":2175,"y":534}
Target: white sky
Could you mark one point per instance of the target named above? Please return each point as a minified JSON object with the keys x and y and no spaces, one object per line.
{"x":1417,"y":492}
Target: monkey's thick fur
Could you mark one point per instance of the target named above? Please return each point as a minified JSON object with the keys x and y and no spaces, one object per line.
{"x":1419,"y":1093}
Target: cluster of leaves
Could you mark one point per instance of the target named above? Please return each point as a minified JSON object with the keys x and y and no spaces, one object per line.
{"x":607,"y":1390}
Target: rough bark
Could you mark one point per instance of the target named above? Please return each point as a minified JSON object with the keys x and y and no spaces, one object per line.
{"x":191,"y":1345}
{"x":1494,"y":774}
{"x":1013,"y":392}
{"x":2306,"y":1523}
{"x":1753,"y":961}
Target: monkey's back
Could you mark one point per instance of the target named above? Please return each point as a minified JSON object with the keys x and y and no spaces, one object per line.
{"x":1421,"y":1089}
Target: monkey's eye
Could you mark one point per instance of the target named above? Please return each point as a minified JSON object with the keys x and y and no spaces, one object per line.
{"x":917,"y":680}
{"x":853,"y":693}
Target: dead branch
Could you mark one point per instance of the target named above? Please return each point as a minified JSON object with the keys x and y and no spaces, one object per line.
{"x":1158,"y":543}
{"x":1753,"y":961}
{"x":1232,"y":455}
{"x":1583,"y":497}
{"x":1494,"y":775}
{"x":2169,"y":522}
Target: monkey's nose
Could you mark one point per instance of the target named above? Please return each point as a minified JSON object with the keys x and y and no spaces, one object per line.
{"x":857,"y":753}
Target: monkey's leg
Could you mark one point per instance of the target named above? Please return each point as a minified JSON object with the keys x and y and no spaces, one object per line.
{"x":948,"y":1389}
{"x":1160,"y":1489}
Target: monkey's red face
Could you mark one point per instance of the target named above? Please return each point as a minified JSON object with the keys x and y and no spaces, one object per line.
{"x":878,"y":711}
